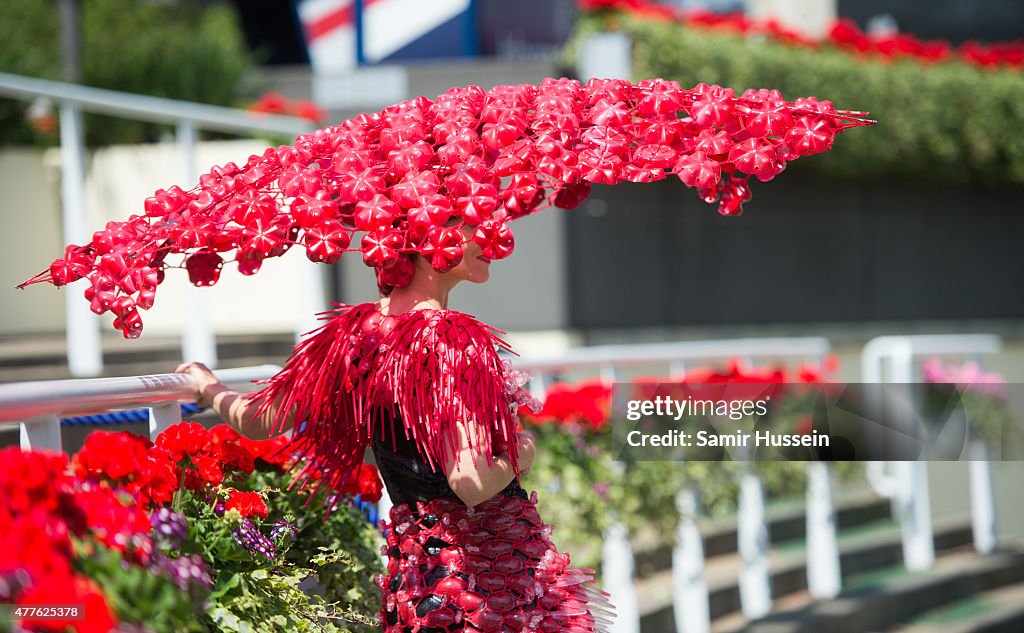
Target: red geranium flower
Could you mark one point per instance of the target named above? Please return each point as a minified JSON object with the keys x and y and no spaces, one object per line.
{"x":248,"y":504}
{"x":115,"y":456}
{"x":183,"y":440}
{"x":272,"y":452}
{"x":369,"y":484}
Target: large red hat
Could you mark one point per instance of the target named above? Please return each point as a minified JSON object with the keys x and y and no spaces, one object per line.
{"x":408,"y":176}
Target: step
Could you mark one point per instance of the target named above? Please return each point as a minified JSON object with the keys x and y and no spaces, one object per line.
{"x":998,"y":611}
{"x":876,"y":601}
{"x":862,"y":549}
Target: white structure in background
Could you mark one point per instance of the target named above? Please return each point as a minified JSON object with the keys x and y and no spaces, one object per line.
{"x":391,"y":25}
{"x":617,"y":563}
{"x":85,"y":357}
{"x":892,"y":359}
{"x":824,"y":575}
{"x":689,"y":589}
{"x":606,"y":56}
{"x":330,"y":30}
{"x":813,"y":18}
{"x":343,"y":34}
{"x":753,"y":539}
{"x":387,"y":27}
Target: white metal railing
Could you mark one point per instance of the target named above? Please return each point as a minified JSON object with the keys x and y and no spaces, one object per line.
{"x":37,"y":407}
{"x":85,"y":357}
{"x":690,"y":593}
{"x":892,"y":359}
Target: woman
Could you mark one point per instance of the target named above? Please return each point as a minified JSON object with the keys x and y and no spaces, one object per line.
{"x":430,"y":186}
{"x":466,"y":547}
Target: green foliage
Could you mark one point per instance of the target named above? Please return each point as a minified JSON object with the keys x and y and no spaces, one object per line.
{"x":135,"y":593}
{"x":337,"y":556}
{"x":180,"y":51}
{"x":944,"y":122}
{"x":344,"y":548}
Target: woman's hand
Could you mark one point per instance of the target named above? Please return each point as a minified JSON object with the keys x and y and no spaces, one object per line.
{"x":527,"y":451}
{"x":207,"y":385}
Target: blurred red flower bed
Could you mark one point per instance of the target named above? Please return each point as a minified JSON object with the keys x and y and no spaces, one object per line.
{"x":844,"y":34}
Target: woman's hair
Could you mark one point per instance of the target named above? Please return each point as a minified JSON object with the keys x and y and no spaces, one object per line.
{"x":397,"y":275}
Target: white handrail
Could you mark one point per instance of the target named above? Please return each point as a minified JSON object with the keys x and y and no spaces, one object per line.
{"x":646,"y":353}
{"x":36,"y":407}
{"x":153,"y":109}
{"x":20,"y":401}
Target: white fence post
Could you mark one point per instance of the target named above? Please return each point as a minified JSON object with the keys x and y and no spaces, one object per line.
{"x":983,"y":507}
{"x":618,"y":571}
{"x":690,"y":591}
{"x":752,"y":535}
{"x":824,"y":574}
{"x":197,"y":342}
{"x":85,"y":353}
{"x":918,"y":541}
{"x":42,"y":432}
{"x":161,"y":417}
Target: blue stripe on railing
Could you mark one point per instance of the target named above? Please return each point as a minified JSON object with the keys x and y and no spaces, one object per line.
{"x":122,"y":417}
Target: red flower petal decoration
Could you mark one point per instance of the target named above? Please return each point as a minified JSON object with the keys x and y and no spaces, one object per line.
{"x":408,"y":192}
{"x":715,"y":106}
{"x":380,"y":248}
{"x":697,"y":170}
{"x":523,"y":194}
{"x":443,"y":248}
{"x":495,"y":239}
{"x":571,"y":196}
{"x":204,"y":268}
{"x":810,"y":136}
{"x":398,"y":274}
{"x":326,"y":243}
{"x":478,"y":205}
{"x":756,"y":157}
{"x":433,"y":211}
{"x":376,"y":213}
{"x":360,"y":186}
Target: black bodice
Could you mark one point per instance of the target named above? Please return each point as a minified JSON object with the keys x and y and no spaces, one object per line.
{"x":408,"y":477}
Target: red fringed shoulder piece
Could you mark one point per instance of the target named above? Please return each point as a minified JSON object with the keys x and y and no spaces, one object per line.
{"x":435,"y":369}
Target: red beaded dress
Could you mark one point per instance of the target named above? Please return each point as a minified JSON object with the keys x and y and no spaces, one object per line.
{"x":402,"y":385}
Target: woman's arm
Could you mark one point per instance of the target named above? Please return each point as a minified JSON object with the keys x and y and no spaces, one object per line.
{"x":236,"y":409}
{"x":471,"y":478}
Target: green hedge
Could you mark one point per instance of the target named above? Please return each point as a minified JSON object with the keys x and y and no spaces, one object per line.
{"x":948,"y":122}
{"x":180,"y":50}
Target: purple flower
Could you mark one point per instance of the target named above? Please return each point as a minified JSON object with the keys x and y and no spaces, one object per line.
{"x":170,"y":527}
{"x":252,"y":540}
{"x":184,"y":571}
{"x":283,"y":531}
